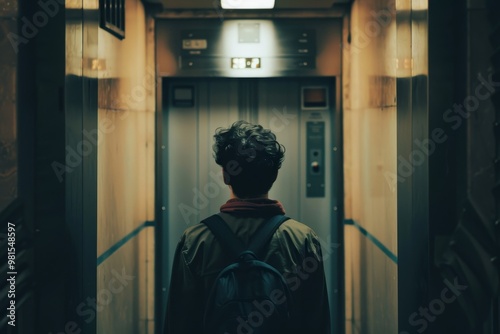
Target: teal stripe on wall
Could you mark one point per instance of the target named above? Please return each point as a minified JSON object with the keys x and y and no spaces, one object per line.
{"x":372,"y":238}
{"x":101,"y":258}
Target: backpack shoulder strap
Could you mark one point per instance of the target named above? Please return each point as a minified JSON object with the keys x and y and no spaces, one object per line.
{"x":229,"y":242}
{"x":264,"y":234}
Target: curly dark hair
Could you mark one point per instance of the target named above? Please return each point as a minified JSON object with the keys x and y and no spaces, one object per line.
{"x":250,"y":157}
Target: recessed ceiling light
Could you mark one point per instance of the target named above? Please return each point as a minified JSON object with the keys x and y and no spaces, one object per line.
{"x":247,"y":4}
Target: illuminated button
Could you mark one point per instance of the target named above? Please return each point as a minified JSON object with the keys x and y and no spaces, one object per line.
{"x":315,"y":166}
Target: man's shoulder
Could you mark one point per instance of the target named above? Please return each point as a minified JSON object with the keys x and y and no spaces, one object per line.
{"x":289,"y":225}
{"x":195,"y":229}
{"x":296,"y":227}
{"x":195,"y":233}
{"x":291,"y":228}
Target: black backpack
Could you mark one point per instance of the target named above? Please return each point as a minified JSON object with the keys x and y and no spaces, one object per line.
{"x":249,"y":296}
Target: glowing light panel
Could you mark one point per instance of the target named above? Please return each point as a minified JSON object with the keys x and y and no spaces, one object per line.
{"x":241,"y":62}
{"x":247,"y":4}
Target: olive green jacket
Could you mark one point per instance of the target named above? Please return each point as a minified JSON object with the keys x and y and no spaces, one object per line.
{"x":294,"y":251}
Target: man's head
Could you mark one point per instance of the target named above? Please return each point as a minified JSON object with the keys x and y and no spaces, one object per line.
{"x":250,"y":157}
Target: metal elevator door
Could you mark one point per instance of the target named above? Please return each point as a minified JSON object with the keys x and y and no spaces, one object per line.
{"x":195,"y":108}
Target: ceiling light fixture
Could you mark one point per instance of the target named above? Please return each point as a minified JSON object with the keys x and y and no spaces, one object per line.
{"x":247,"y":4}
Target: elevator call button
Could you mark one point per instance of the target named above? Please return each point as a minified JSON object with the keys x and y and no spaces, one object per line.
{"x":315,"y":166}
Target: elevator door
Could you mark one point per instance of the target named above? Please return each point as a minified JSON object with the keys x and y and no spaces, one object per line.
{"x":298,"y":111}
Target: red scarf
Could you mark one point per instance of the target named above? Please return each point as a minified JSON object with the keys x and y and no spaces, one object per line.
{"x":262,"y":206}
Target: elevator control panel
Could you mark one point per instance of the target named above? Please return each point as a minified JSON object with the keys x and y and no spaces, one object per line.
{"x":315,"y":165}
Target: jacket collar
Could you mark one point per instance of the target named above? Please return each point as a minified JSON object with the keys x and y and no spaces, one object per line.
{"x":262,"y":206}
